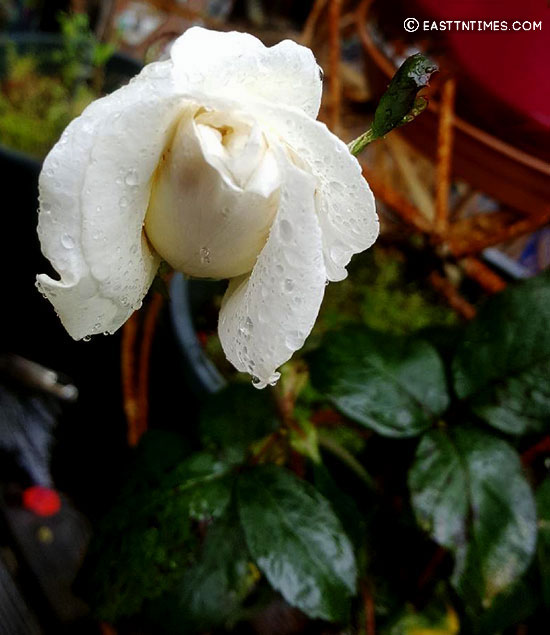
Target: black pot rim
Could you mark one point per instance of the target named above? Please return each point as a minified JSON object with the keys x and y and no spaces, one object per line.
{"x":201,"y":372}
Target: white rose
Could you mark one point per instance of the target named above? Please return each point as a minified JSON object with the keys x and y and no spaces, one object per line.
{"x":214,"y":162}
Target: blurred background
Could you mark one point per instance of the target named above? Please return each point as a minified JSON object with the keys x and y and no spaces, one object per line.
{"x":463,"y":194}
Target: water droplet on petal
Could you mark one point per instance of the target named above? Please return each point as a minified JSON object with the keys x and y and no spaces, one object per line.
{"x":258,"y":383}
{"x":285,"y":229}
{"x":131,"y":177}
{"x":205,"y":255}
{"x":67,"y":241}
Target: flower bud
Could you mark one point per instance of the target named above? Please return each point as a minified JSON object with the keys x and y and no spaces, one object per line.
{"x":214,"y":195}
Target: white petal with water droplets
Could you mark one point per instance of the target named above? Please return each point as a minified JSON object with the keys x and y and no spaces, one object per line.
{"x":239,"y":66}
{"x":94,"y":191}
{"x":345,"y":204}
{"x":265,"y":317}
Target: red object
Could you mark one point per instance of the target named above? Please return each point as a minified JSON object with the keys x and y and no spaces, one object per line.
{"x":510,"y":65}
{"x":43,"y":501}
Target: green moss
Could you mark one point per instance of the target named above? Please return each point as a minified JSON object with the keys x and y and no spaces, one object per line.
{"x":35,"y":109}
{"x":35,"y":105}
{"x":379,"y":293}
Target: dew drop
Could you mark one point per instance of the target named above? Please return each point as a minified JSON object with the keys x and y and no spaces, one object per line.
{"x":403,"y":418}
{"x":87,"y":338}
{"x":258,"y":383}
{"x":288,"y":285}
{"x":123,"y":202}
{"x":205,"y":255}
{"x":274,"y":379}
{"x":286,"y":230}
{"x":67,"y":241}
{"x":131,"y":177}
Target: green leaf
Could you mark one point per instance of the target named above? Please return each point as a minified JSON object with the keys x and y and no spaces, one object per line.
{"x":510,"y":608}
{"x":502,"y":363}
{"x":144,"y":546}
{"x":344,"y":506}
{"x":399,"y":98}
{"x":236,"y":417}
{"x":399,"y":104}
{"x":543,"y":545}
{"x":297,"y":541}
{"x":214,"y":587}
{"x":391,"y":384}
{"x":469,"y":493}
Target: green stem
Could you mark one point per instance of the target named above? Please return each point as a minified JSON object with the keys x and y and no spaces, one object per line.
{"x":346,"y":457}
{"x":358,"y":145}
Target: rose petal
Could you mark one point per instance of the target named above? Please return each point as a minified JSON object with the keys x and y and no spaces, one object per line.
{"x":239,"y":66}
{"x":94,"y":192}
{"x":266,"y":316}
{"x":205,"y":218}
{"x":345,"y":204}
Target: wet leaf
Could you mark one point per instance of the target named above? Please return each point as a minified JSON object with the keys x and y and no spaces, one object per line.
{"x":297,"y":541}
{"x":502,"y":364}
{"x":391,"y":384}
{"x":513,"y":606}
{"x":344,"y":505}
{"x":214,"y":587}
{"x":469,"y":493}
{"x":400,"y":96}
{"x":399,"y":104}
{"x":146,"y":543}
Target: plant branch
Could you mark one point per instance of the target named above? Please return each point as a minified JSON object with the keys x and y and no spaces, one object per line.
{"x":348,"y":459}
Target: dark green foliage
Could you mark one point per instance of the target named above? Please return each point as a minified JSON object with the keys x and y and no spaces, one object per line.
{"x":470,"y":495}
{"x":503,"y":361}
{"x":442,"y":530}
{"x":297,"y":541}
{"x":394,"y":385}
{"x":213,"y":587}
{"x":149,"y":539}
